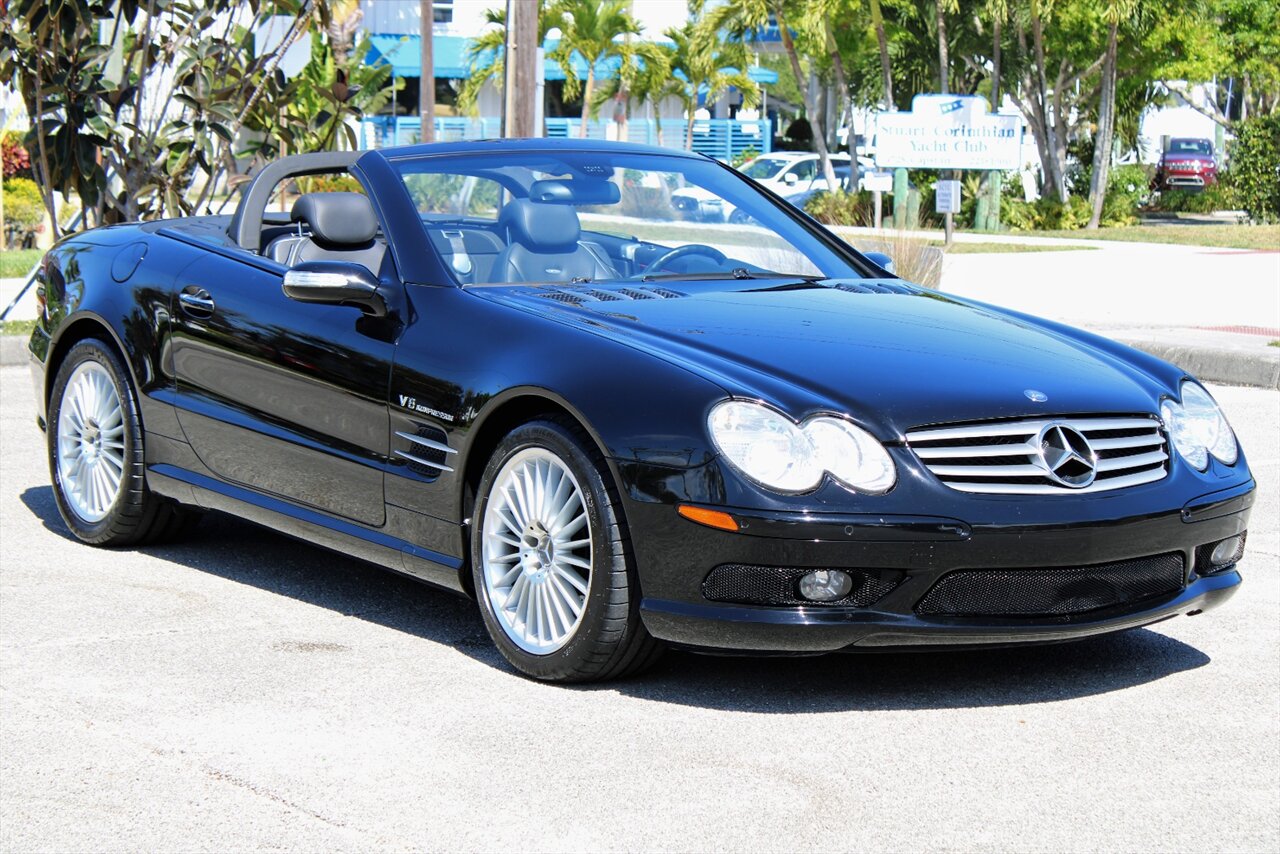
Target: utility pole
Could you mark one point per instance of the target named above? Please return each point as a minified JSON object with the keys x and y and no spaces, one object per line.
{"x":520,"y":89}
{"x":427,"y":81}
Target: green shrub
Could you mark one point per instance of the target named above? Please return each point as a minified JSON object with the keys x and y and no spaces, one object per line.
{"x":1186,"y":201}
{"x":1255,"y":168}
{"x":23,"y":210}
{"x":842,"y":207}
{"x":747,"y":155}
{"x":329,"y":184}
{"x":1046,"y":214}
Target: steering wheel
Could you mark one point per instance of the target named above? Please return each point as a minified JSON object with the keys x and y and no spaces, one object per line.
{"x":681,"y":251}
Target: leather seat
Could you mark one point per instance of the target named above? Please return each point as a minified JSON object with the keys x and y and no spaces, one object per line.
{"x":343,"y":228}
{"x":543,"y":246}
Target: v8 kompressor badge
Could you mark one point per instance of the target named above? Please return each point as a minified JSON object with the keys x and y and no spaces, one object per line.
{"x":411,"y":403}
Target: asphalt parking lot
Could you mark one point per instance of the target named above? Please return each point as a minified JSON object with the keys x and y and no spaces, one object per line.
{"x":242,"y":690}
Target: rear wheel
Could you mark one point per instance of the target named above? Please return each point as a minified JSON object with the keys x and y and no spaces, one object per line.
{"x":551,"y":560}
{"x":96,"y":454}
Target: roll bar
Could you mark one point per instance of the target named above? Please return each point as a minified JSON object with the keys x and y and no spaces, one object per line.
{"x":246,"y":223}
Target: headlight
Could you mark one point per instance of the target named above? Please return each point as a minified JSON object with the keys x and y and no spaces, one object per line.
{"x":1198,"y":428}
{"x":775,"y":452}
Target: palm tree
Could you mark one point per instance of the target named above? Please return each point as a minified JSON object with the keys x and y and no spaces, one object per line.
{"x":485,"y":53}
{"x":698,"y":66}
{"x":1113,"y":12}
{"x":882,"y":41}
{"x":741,"y":19}
{"x":589,"y":29}
{"x":644,"y":77}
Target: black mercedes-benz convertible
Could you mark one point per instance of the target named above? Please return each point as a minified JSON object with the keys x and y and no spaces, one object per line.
{"x":514,"y":370}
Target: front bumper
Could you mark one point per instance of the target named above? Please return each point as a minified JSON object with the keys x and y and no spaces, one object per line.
{"x":676,"y":555}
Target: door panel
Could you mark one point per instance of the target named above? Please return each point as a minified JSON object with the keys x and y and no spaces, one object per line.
{"x":285,"y":397}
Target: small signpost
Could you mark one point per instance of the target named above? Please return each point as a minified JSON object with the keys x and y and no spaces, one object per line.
{"x":945,"y":132}
{"x":878,"y":183}
{"x":947,"y":201}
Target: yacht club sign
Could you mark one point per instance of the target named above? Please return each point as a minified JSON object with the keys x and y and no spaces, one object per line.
{"x":948,"y":132}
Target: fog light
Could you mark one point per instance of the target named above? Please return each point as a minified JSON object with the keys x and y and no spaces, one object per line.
{"x":825,"y":585}
{"x":1226,"y":552}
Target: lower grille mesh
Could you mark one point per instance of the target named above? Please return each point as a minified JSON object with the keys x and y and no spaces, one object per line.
{"x":1051,"y":592}
{"x":777,"y":585}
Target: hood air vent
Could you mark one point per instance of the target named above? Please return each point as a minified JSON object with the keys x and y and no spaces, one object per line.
{"x":875,"y":288}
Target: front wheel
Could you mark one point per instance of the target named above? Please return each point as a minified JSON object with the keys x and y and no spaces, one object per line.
{"x":96,"y":454}
{"x":551,"y":560}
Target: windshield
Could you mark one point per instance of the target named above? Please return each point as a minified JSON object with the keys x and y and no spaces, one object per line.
{"x":538,"y":217}
{"x":763,"y":168}
{"x":1190,"y":146}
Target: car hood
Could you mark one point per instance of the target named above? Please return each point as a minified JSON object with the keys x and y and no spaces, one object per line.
{"x":891,"y":355}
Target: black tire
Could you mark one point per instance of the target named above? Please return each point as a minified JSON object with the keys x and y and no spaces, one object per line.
{"x":137,"y":515}
{"x":610,"y":642}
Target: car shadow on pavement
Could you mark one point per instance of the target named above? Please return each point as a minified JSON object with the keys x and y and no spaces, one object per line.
{"x":248,"y":554}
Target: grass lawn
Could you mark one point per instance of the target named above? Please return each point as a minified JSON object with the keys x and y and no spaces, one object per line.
{"x":17,"y":327}
{"x":982,"y":248}
{"x":15,"y":263}
{"x":1225,"y":236}
{"x":726,"y":235}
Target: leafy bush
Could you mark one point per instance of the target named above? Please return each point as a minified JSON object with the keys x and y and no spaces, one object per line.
{"x":1189,"y":201}
{"x":23,"y":210}
{"x":15,"y":158}
{"x":1255,"y":168}
{"x":1127,"y":189}
{"x":842,"y":207}
{"x":329,"y":184}
{"x":1046,"y":214}
{"x":747,"y":154}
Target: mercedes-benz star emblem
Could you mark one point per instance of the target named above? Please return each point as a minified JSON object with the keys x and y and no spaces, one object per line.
{"x":1066,"y":456}
{"x":1036,"y":396}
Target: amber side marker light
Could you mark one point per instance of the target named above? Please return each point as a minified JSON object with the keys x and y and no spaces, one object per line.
{"x":710,"y":518}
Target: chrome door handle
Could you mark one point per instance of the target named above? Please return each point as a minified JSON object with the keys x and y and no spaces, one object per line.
{"x":196,"y":301}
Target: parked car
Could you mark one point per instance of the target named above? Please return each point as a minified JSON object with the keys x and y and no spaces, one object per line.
{"x":507,"y":368}
{"x":783,"y":172}
{"x":1187,"y":164}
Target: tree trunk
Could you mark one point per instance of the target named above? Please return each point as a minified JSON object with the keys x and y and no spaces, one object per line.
{"x":824,"y":156}
{"x":1060,"y":133}
{"x":886,"y":69}
{"x":1244,"y":99}
{"x":995,"y":65}
{"x":943,"y":76}
{"x":1053,"y":184}
{"x":1106,"y":122}
{"x":688,"y":131}
{"x":989,"y":183}
{"x":587,"y":90}
{"x":427,"y":82}
{"x":37,"y":116}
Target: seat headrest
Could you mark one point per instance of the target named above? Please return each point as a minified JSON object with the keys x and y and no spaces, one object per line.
{"x":343,"y":219}
{"x":541,"y":228}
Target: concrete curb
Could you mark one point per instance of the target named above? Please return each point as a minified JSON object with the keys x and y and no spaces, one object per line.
{"x":1211,"y":364}
{"x":1216,"y":364}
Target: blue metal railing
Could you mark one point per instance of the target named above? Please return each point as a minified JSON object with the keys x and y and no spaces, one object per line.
{"x":723,"y":139}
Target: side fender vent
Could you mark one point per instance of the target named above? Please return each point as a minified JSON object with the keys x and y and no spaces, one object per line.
{"x":428,"y":451}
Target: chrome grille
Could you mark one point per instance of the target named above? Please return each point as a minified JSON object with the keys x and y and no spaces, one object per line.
{"x":1004,"y":457}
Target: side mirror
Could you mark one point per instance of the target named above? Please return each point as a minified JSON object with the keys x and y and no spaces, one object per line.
{"x":790,"y":179}
{"x":880,"y":260}
{"x":335,"y":283}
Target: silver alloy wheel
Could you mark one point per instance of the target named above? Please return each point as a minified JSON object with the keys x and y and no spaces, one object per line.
{"x":537,"y":551}
{"x":90,"y":453}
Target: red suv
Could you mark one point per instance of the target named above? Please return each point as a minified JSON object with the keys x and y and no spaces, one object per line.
{"x":1187,"y":164}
